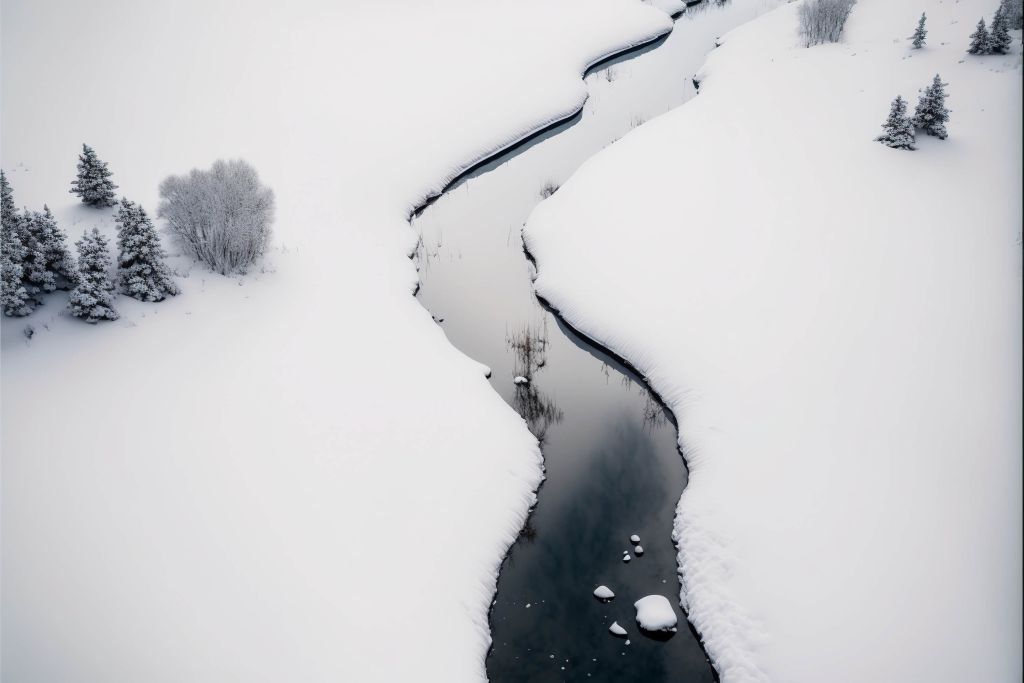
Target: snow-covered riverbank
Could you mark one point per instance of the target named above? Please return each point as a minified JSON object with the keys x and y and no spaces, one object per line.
{"x":290,"y":475}
{"x":837,"y":327}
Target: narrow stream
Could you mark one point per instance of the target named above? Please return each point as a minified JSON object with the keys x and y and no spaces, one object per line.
{"x":612,"y":464}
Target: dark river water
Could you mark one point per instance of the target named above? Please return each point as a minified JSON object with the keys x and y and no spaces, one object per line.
{"x":611,"y":462}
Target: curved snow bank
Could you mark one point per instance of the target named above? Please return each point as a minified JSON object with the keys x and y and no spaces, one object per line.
{"x":837,"y":326}
{"x":282,"y":476}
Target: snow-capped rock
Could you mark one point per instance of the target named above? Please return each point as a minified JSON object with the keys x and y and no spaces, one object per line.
{"x":655,"y":613}
{"x":603,"y":593}
{"x":616,"y":630}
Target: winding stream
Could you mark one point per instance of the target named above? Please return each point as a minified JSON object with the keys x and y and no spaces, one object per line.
{"x":612,"y":464}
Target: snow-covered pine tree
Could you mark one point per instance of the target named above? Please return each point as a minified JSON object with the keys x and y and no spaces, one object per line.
{"x":38,"y":277}
{"x":981,"y":43}
{"x":8,"y":211}
{"x":897,"y":131}
{"x":14,"y":297}
{"x":1013,"y":10}
{"x":93,"y":184}
{"x":141,"y":271}
{"x":999,"y":38}
{"x":919,"y":33}
{"x":931,"y":114}
{"x":92,"y":296}
{"x":52,"y":243}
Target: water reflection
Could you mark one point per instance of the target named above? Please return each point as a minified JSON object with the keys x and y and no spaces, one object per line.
{"x":616,"y":488}
{"x":529,"y":348}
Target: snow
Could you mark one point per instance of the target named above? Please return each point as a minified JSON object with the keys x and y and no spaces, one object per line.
{"x":837,"y":327}
{"x":655,"y":613}
{"x":603,"y":593}
{"x":181,"y":487}
{"x":616,"y":630}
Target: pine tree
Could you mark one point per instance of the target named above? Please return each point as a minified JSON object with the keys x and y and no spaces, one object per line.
{"x":931,"y":114}
{"x":91,"y":298}
{"x":8,"y":211}
{"x":999,"y":38}
{"x":52,"y":243}
{"x":1013,"y":11}
{"x":38,"y":277}
{"x":981,"y":43}
{"x":898,"y":131}
{"x":919,"y":33}
{"x":93,"y":184}
{"x":141,"y":271}
{"x":14,"y":297}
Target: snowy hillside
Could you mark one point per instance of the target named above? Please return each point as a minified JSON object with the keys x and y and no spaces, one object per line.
{"x":837,"y":327}
{"x":290,"y":475}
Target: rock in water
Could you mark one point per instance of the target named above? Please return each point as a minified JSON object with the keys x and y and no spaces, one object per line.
{"x":521,"y":380}
{"x":626,"y":557}
{"x":616,"y":630}
{"x":639,"y":550}
{"x":655,"y":613}
{"x":634,"y":539}
{"x":603,"y":593}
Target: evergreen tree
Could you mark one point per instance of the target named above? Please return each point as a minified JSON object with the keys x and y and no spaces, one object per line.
{"x":981,"y":43}
{"x":52,"y":244}
{"x":1013,"y":11}
{"x":91,"y":298}
{"x":897,"y":131}
{"x":8,"y":211}
{"x":142,"y":273}
{"x":931,"y":114}
{"x":999,"y":38}
{"x":919,"y":33}
{"x":14,"y":297}
{"x":93,"y":184}
{"x":38,"y":277}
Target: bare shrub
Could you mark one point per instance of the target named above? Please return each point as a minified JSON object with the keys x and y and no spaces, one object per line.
{"x":549,"y":188}
{"x":822,"y":21}
{"x":221,"y":216}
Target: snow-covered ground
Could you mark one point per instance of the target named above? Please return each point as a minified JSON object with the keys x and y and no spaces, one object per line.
{"x":290,"y":475}
{"x":837,"y":327}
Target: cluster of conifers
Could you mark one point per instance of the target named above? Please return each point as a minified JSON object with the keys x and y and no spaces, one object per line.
{"x":34,"y":258}
{"x":931,"y":115}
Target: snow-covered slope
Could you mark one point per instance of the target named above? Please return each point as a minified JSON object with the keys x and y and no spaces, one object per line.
{"x":290,"y":475}
{"x":837,"y":326}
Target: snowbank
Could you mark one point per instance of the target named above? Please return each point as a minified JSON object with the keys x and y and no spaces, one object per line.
{"x":251,"y":480}
{"x":837,"y":327}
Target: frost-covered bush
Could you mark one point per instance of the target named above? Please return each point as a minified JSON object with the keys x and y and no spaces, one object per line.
{"x":549,"y":188}
{"x":822,"y":21}
{"x":221,"y":216}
